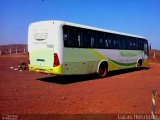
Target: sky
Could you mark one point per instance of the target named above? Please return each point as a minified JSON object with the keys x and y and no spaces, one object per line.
{"x":139,"y":17}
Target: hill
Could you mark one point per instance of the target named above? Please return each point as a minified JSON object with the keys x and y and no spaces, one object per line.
{"x":13,"y":48}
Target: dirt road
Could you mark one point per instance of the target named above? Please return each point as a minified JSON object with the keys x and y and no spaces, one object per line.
{"x":123,"y":92}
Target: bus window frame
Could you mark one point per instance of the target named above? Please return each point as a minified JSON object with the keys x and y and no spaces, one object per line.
{"x":86,"y":35}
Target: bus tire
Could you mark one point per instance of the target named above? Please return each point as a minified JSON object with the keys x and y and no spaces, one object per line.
{"x":103,"y":69}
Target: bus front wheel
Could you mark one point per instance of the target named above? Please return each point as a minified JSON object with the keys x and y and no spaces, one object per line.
{"x":103,"y":70}
{"x":139,"y":64}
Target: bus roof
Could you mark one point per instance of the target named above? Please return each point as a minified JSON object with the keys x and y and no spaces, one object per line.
{"x":93,"y":28}
{"x":103,"y":30}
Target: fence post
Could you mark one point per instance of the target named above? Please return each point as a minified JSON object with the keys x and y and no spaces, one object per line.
{"x":16,"y":50}
{"x":154,"y":56}
{"x":154,"y":93}
{"x":10,"y":51}
{"x":24,"y":50}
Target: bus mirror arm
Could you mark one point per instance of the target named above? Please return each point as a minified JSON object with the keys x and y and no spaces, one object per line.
{"x":150,"y":46}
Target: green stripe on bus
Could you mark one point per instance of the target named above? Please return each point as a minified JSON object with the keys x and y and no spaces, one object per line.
{"x":110,"y":60}
{"x":123,"y":64}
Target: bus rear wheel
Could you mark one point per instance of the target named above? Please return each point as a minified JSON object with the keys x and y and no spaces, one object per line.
{"x":103,"y":70}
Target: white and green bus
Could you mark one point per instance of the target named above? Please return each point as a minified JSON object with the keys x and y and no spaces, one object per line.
{"x":64,"y":48}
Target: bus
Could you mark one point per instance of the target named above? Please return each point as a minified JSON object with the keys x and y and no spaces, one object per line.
{"x":65,"y":48}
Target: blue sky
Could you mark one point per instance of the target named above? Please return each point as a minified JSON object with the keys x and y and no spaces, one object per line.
{"x":140,"y":17}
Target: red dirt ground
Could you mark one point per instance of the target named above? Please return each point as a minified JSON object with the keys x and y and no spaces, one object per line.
{"x":123,"y":92}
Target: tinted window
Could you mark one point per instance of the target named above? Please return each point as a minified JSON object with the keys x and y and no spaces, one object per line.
{"x":106,"y":43}
{"x":100,"y":40}
{"x":92,"y":39}
{"x":78,"y":37}
{"x":65,"y":36}
{"x":85,"y":38}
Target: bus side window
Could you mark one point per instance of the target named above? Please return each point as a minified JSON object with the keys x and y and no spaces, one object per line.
{"x":65,"y":36}
{"x":146,"y":49}
{"x":73,"y":41}
{"x":102,"y":41}
{"x":88,"y":39}
{"x":105,"y":41}
{"x":130,"y":45}
{"x":127,"y":39}
{"x":123,"y":42}
{"x":84,"y":39}
{"x":78,"y":37}
{"x":134,"y":44}
{"x":99,"y":40}
{"x":140,"y":42}
{"x":137,"y":45}
{"x":114,"y":44}
{"x":110,"y":43}
{"x":71,"y":37}
{"x":75,"y":37}
{"x":119,"y":42}
{"x":65,"y":40}
{"x":92,"y":39}
{"x":110,"y":46}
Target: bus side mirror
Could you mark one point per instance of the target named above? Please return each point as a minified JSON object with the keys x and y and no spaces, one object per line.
{"x":150,"y":46}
